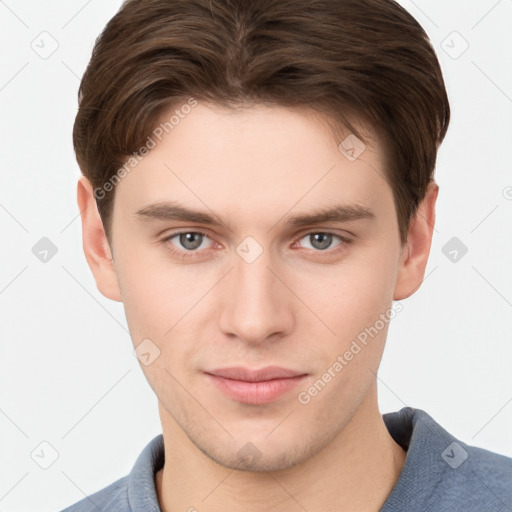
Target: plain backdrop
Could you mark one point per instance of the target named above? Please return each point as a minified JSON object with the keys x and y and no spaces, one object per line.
{"x":68,"y":376}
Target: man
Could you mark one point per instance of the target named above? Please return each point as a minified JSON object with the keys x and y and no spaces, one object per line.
{"x":258,"y":190}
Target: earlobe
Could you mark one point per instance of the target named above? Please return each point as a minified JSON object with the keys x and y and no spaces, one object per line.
{"x":415,"y":252}
{"x":95,"y":244}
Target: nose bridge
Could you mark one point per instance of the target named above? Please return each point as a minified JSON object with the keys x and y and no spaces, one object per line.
{"x":256,"y":305}
{"x":254,"y":279}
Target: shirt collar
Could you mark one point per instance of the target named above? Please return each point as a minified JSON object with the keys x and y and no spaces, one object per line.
{"x":413,"y":429}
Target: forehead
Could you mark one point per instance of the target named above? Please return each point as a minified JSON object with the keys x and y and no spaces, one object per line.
{"x":255,"y":159}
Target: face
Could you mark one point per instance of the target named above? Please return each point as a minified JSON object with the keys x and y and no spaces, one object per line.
{"x":262,"y":283}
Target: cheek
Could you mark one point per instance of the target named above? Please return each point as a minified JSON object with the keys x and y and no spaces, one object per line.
{"x":155,"y":294}
{"x":350,"y":300}
{"x":346,"y":363}
{"x":351,"y":296}
{"x":165,"y":304}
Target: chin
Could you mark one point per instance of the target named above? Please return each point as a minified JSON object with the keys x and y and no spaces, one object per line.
{"x":261,"y":456}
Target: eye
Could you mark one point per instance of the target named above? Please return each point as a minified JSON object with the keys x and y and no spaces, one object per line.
{"x":322,"y":241}
{"x":191,"y":243}
{"x":188,"y":241}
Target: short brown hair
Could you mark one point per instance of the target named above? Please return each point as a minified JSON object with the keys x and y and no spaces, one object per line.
{"x":363,"y":60}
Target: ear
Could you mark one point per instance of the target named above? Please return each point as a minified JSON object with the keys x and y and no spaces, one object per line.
{"x":416,"y":250}
{"x":96,"y":247}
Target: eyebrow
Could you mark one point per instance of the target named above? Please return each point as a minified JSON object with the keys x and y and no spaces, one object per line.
{"x":338,"y":213}
{"x":169,"y":211}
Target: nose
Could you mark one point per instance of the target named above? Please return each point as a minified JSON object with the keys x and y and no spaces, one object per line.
{"x":256,"y":305}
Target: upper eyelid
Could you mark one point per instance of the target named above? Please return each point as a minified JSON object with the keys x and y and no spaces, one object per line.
{"x":296,"y":238}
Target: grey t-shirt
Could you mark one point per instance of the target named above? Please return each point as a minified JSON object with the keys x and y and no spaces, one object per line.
{"x":440,"y":474}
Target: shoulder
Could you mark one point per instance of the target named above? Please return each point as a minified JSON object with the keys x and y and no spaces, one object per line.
{"x":484,"y":480}
{"x":444,"y":473}
{"x":113,"y":498}
{"x":134,"y":491}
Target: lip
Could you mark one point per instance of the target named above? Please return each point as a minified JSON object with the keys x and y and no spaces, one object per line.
{"x":255,"y":386}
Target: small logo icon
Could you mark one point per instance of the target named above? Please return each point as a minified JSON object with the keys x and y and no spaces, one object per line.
{"x":44,"y":250}
{"x":44,"y":455}
{"x":507,"y":193}
{"x":454,"y":249}
{"x":454,"y":45}
{"x":454,"y":455}
{"x":249,"y":250}
{"x":146,"y":352}
{"x":352,"y":147}
{"x":45,"y":45}
{"x":249,"y":455}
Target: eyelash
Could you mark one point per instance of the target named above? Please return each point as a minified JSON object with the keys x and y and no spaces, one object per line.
{"x":191,"y":254}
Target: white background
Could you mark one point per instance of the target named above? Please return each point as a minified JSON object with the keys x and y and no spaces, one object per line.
{"x":67,"y":373}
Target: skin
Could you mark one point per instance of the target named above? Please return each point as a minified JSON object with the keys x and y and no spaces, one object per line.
{"x":296,"y":306}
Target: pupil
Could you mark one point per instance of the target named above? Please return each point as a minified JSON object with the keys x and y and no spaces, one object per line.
{"x":187,"y":240}
{"x":321,"y":240}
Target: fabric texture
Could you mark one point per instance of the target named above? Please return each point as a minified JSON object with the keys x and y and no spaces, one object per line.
{"x":440,"y":474}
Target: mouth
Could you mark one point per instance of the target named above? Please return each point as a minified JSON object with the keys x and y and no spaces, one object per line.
{"x":255,"y":386}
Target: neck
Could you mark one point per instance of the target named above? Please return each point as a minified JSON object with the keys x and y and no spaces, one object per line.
{"x":355,"y":471}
